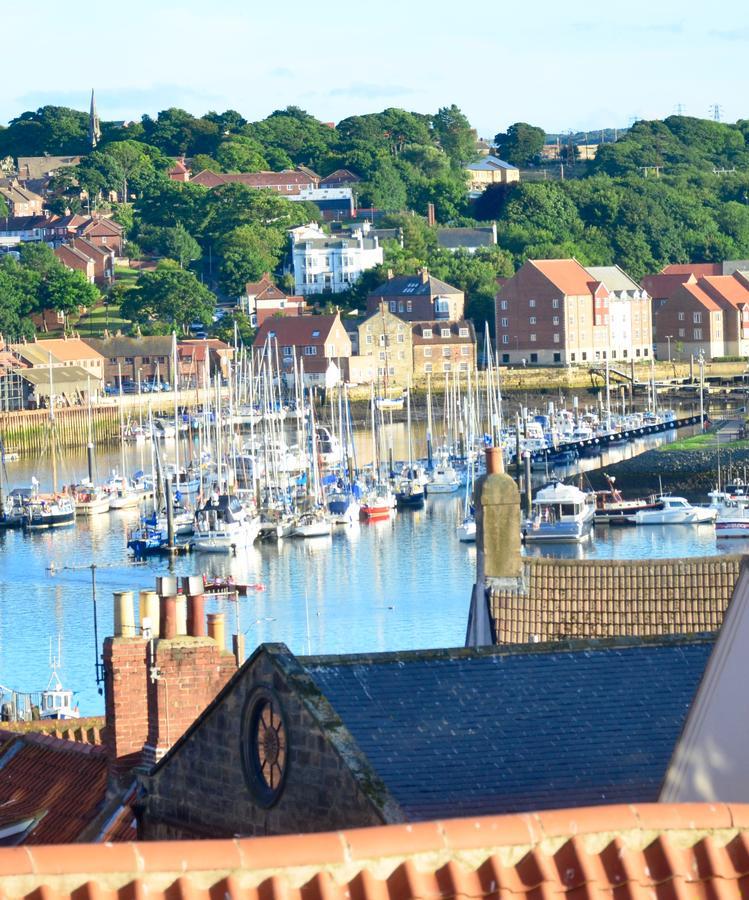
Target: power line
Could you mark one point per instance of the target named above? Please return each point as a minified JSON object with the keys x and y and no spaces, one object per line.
{"x":715,"y":110}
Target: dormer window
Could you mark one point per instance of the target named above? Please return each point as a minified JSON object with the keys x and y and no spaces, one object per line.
{"x":427,"y":333}
{"x":445,"y":332}
{"x":463,"y":332}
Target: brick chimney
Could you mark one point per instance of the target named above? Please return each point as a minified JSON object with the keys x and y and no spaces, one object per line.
{"x":424,"y":272}
{"x":162,"y":674}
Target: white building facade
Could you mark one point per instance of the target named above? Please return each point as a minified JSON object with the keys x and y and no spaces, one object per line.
{"x":325,"y":263}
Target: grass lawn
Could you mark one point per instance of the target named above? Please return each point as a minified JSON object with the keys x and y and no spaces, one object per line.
{"x":707,"y":441}
{"x":97,"y":320}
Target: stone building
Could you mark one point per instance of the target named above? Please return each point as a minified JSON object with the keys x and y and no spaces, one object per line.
{"x":443,"y":347}
{"x":387,"y":342}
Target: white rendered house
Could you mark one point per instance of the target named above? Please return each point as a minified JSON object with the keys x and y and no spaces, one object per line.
{"x":331,"y":263}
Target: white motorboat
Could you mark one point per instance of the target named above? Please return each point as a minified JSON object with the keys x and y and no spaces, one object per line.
{"x":674,"y":511}
{"x":732,"y":505}
{"x":561,"y":514}
{"x":162,"y":428}
{"x":311,"y":525}
{"x":444,"y":479}
{"x":123,"y":494}
{"x":223,"y":525}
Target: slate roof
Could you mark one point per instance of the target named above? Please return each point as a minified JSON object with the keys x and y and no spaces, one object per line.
{"x":614,"y":278}
{"x":563,"y":599}
{"x":436,"y":328}
{"x":472,"y":732}
{"x":296,"y":330}
{"x":662,"y":850}
{"x":662,"y":286}
{"x":122,"y":346}
{"x":413,"y":286}
{"x":487,"y":163}
{"x":695,"y":269}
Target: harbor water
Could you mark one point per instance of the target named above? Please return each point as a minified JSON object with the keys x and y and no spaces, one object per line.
{"x":402,"y":583}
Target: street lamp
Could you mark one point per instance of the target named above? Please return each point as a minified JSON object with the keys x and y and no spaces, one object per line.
{"x":668,"y":338}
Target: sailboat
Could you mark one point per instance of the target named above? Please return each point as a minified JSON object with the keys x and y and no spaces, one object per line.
{"x":378,"y":502}
{"x":314,"y":522}
{"x":89,"y":499}
{"x":410,"y":493}
{"x":49,"y":510}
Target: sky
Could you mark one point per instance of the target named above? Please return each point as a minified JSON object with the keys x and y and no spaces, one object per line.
{"x":561,"y":66}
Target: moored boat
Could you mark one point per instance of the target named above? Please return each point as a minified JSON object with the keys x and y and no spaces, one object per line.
{"x":674,"y":511}
{"x":561,"y":514}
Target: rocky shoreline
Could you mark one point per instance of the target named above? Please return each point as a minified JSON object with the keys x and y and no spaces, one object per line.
{"x":688,"y":473}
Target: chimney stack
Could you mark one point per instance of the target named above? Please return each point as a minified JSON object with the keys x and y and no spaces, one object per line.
{"x":499,"y":565}
{"x":424,"y":272}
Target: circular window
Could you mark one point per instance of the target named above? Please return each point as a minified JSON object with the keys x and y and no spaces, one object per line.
{"x":264,"y":746}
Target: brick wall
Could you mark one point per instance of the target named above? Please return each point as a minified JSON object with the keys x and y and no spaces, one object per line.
{"x":126,"y":669}
{"x":191,"y":672}
{"x":199,"y":790}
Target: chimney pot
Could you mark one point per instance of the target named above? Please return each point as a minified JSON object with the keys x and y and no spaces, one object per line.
{"x":149,"y":609}
{"x":181,"y":602}
{"x":192,"y":585}
{"x":124,"y":616}
{"x":166,"y":585}
{"x":494,"y":464}
{"x":217,"y":629}
{"x":167,"y":590}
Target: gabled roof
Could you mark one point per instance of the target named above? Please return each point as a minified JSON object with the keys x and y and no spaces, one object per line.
{"x":207,"y":178}
{"x":507,"y":729}
{"x":102,"y":226}
{"x":22,"y":223}
{"x":488,"y":163}
{"x":57,"y":787}
{"x":700,"y":296}
{"x":340,"y":176}
{"x":725,"y":287}
{"x":660,"y":850}
{"x":91,"y":249}
{"x":73,"y":221}
{"x":567,"y":275}
{"x":265,"y":289}
{"x":663,"y":286}
{"x":296,"y":330}
{"x":69,"y":252}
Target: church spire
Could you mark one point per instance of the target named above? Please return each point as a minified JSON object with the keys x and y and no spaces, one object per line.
{"x":94,"y":127}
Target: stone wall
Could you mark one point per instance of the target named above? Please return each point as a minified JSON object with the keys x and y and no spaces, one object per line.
{"x":199,"y":789}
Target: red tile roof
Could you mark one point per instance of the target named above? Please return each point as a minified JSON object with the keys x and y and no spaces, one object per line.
{"x":566,"y":274}
{"x":59,"y":785}
{"x":696,"y":269}
{"x":699,"y":294}
{"x":295,"y":330}
{"x":632,"y":852}
{"x":726,"y":287}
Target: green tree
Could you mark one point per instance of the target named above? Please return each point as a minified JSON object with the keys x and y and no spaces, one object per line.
{"x":521,"y":144}
{"x":241,"y":154}
{"x":246,"y":253}
{"x":384,"y":189}
{"x":56,"y":130}
{"x":170,"y":296}
{"x":179,"y":245}
{"x":455,"y":135}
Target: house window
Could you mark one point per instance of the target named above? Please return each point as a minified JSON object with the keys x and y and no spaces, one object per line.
{"x":572,"y":357}
{"x":369,"y":339}
{"x":645,"y":351}
{"x":463,"y":332}
{"x":401,"y":306}
{"x":427,"y":367}
{"x":427,"y":351}
{"x":463,"y":367}
{"x":697,"y":318}
{"x":503,"y":304}
{"x":446,"y":367}
{"x":401,"y":338}
{"x":613,"y":354}
{"x":382,"y":354}
{"x":682,"y":332}
{"x":698,"y":334}
{"x":446,"y":351}
{"x":505,"y":323}
{"x":427,"y":333}
{"x":128,"y":360}
{"x":681,"y":316}
{"x":445,"y":332}
{"x":393,"y":306}
{"x":531,"y":303}
{"x":287,"y":352}
{"x":409,"y":306}
{"x":555,"y":303}
{"x":465,"y":351}
{"x":533,"y":338}
{"x":556,"y":338}
{"x":626,"y":353}
{"x":585,"y":356}
{"x":555,"y":320}
{"x":309,"y":350}
{"x":557,"y":357}
{"x":505,"y":338}
{"x":532,"y":320}
{"x":505,"y":357}
{"x":534,"y":357}
{"x":637,"y":352}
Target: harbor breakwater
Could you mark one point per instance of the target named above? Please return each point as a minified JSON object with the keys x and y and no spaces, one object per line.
{"x":688,"y":473}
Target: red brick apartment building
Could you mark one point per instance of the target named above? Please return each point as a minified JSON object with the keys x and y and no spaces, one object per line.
{"x":557,"y":312}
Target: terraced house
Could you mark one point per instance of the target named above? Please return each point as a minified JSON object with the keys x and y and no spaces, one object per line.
{"x":557,"y":312}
